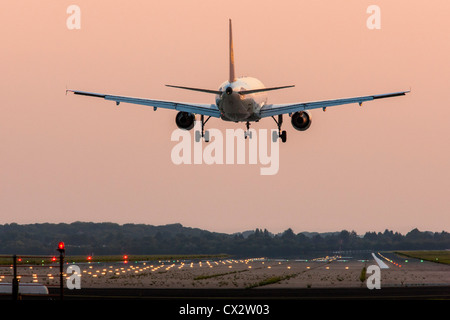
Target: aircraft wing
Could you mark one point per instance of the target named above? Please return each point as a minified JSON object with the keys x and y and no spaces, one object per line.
{"x":204,"y":109}
{"x":277,"y":109}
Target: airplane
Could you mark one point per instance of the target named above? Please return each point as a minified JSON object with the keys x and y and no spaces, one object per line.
{"x":239,"y":99}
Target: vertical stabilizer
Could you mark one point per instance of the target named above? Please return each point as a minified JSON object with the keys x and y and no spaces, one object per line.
{"x":232,"y":77}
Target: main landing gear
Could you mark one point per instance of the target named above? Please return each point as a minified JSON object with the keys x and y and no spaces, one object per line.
{"x":203,"y":133}
{"x":279,"y":134}
{"x":275,"y":135}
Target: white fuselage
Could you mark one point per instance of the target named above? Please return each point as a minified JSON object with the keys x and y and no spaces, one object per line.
{"x":238,"y":107}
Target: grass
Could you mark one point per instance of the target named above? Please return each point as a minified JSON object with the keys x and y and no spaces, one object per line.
{"x":438,"y":256}
{"x":218,"y":275}
{"x":271,"y":280}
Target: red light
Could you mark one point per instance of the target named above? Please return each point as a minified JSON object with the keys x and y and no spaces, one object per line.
{"x":61,"y":245}
{"x":53,"y":259}
{"x":125,"y":257}
{"x":89,"y":258}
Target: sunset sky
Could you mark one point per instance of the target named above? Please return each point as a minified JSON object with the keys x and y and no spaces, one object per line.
{"x":67,"y":158}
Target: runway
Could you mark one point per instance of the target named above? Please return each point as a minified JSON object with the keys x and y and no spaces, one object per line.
{"x":336,"y":277}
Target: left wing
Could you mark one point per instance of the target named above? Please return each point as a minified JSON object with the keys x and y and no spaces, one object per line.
{"x":204,"y":109}
{"x":277,"y":109}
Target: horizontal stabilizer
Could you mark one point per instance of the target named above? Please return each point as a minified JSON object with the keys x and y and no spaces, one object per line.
{"x":243,"y":92}
{"x":196,"y":89}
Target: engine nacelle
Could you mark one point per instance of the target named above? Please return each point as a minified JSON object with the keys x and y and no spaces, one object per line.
{"x":301,"y":120}
{"x":185,"y":120}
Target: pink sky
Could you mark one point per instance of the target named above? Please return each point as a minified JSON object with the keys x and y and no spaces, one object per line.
{"x":71,"y":158}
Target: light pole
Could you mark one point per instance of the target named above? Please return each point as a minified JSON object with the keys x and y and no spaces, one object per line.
{"x":62,"y":251}
{"x":15,"y":281}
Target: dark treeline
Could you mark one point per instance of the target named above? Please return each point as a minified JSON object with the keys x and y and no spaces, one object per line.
{"x":111,"y":239}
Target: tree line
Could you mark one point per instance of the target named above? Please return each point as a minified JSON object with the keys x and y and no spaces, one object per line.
{"x":87,"y":238}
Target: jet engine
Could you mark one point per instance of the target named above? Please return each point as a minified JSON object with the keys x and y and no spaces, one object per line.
{"x":185,"y":120}
{"x":301,"y":120}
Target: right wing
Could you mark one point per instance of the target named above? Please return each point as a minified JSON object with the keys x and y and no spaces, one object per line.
{"x":204,"y":109}
{"x":277,"y":109}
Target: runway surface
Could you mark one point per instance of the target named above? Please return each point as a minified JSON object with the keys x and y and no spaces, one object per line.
{"x":334,"y":277}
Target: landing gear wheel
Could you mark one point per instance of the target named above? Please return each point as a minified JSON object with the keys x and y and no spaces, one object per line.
{"x":283,"y":136}
{"x":274,"y":136}
{"x":198,"y":136}
{"x":206,"y":136}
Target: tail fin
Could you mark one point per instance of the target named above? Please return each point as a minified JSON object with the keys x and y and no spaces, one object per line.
{"x":232,"y":77}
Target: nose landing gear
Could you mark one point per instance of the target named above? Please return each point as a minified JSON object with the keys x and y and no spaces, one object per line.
{"x":248,"y":133}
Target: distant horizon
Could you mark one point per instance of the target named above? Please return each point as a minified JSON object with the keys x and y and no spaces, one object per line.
{"x":229,"y":233}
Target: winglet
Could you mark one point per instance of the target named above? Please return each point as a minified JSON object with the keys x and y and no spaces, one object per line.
{"x":232,"y":76}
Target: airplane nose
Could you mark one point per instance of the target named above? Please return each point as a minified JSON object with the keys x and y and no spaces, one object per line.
{"x":229,"y":90}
